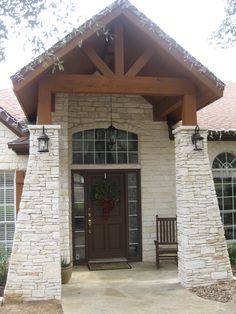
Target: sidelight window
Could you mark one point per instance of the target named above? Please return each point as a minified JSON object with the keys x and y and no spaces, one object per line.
{"x":91,"y":147}
{"x":79,"y":217}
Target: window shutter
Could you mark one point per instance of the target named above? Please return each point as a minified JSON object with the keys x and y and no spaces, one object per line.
{"x":20,"y":176}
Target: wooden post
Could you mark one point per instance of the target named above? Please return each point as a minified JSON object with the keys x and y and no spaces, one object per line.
{"x":189,"y":110}
{"x":44,"y":105}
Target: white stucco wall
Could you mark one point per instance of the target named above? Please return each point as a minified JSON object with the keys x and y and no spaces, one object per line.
{"x":9,"y":160}
{"x":156,"y":152}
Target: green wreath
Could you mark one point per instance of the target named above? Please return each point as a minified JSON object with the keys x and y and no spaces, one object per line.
{"x":105,"y":190}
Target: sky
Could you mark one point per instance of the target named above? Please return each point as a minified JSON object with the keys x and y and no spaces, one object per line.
{"x":189,"y":22}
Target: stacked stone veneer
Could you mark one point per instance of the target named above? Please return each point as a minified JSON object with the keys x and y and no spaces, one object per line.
{"x":60,"y":116}
{"x":34,"y":270}
{"x":76,"y":112}
{"x":203,"y":257}
{"x":8,"y":158}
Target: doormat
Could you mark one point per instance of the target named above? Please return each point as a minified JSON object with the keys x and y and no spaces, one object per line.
{"x":109,"y":266}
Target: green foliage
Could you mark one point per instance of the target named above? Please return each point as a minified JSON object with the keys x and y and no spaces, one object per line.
{"x":232,"y":254}
{"x":39,"y":20}
{"x":104,"y":190}
{"x":225,"y":36}
{"x":64,"y":263}
{"x":3,"y":268}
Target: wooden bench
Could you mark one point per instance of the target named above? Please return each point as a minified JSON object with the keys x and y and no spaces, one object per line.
{"x":166,"y":239}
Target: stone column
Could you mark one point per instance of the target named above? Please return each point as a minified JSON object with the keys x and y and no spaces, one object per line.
{"x":60,"y":116}
{"x":34,"y":270}
{"x":203,"y":256}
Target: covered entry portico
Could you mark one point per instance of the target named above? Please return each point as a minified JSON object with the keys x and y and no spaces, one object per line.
{"x":151,"y":82}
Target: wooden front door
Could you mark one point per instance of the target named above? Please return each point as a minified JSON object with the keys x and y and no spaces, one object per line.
{"x":106,"y":236}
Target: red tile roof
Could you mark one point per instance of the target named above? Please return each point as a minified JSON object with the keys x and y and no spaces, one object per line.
{"x":221,"y":114}
{"x":9,"y":102}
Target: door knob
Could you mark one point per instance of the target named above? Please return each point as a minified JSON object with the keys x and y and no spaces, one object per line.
{"x":89,"y":225}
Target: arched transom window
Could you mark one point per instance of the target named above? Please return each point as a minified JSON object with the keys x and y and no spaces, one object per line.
{"x":91,"y":147}
{"x":224,"y":174}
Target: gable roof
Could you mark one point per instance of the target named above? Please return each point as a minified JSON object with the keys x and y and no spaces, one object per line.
{"x":179,"y":64}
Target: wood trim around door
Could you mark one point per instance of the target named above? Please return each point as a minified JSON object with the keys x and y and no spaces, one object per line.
{"x":125,"y":172}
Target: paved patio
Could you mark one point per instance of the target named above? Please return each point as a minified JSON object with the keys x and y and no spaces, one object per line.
{"x":142,"y":289}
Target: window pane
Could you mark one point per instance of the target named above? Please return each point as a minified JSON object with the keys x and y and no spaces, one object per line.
{"x":229,"y":233}
{"x":133,"y":146}
{"x":122,"y":158}
{"x":79,"y":253}
{"x":228,"y":219}
{"x":77,"y":158}
{"x":218,"y":188}
{"x":132,"y":206}
{"x":132,"y":136}
{"x":79,"y":223}
{"x":100,"y":158}
{"x":133,"y":158}
{"x":227,"y":190}
{"x":132,"y":194}
{"x":77,"y":136}
{"x":100,"y":134}
{"x":77,"y":146}
{"x":228,"y":203}
{"x":79,"y":238}
{"x":133,"y":236}
{"x":121,"y":135}
{"x":133,"y":222}
{"x":88,"y":144}
{"x":89,"y":158}
{"x":111,"y":158}
{"x":100,"y":145}
{"x":122,"y":145}
{"x":89,"y":134}
{"x":133,"y":250}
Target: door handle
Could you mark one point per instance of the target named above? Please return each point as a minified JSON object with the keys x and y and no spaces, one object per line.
{"x":89,"y":225}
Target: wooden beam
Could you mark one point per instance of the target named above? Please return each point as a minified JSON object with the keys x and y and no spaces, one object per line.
{"x":89,"y":28}
{"x":140,"y":62}
{"x":167,"y":106}
{"x":97,"y":61}
{"x":44,"y":108}
{"x":119,"y":49}
{"x":189,"y":110}
{"x":176,"y":53}
{"x":160,"y":86}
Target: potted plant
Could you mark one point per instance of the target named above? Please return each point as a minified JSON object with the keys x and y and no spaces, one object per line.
{"x":66,"y":270}
{"x":105,"y":193}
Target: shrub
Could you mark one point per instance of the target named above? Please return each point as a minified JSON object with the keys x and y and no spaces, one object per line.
{"x":3,"y":268}
{"x":65,"y":263}
{"x":232,"y":254}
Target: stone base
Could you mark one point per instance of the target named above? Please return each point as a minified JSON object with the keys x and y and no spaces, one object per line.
{"x":202,"y":252}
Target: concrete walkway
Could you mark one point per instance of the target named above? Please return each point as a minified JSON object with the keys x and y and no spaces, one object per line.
{"x":142,"y":289}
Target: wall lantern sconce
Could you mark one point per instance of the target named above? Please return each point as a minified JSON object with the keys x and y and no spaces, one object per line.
{"x":111,"y":132}
{"x":43,"y":142}
{"x":197,"y":139}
